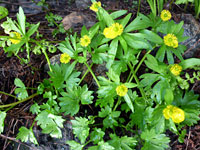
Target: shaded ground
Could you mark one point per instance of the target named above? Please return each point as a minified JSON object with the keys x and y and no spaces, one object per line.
{"x":31,"y":74}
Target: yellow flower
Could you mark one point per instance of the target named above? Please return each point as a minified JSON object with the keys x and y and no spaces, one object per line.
{"x":165,"y":15}
{"x":113,"y":31}
{"x":95,"y":6}
{"x":108,"y":32}
{"x":17,"y":37}
{"x":178,"y":115}
{"x":121,"y":90}
{"x":171,"y":40}
{"x":85,"y":40}
{"x":167,"y":112}
{"x":176,"y":69}
{"x":65,"y":58}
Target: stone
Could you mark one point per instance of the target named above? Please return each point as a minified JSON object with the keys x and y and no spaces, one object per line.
{"x":83,"y":4}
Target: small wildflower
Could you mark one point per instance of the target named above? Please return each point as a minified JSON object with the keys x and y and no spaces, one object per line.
{"x":176,"y":69}
{"x":121,"y":90}
{"x":85,"y":41}
{"x":95,"y":6}
{"x":17,"y":37}
{"x":113,"y":31}
{"x":171,"y":40}
{"x":65,"y":58}
{"x":165,"y":15}
{"x":176,"y":114}
{"x":167,"y":112}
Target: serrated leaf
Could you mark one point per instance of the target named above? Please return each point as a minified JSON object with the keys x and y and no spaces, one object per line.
{"x":21,"y":91}
{"x":74,"y":145}
{"x":122,"y":143}
{"x":26,"y":135}
{"x":97,"y":135}
{"x":80,"y":128}
{"x":154,"y":140}
{"x":35,"y":109}
{"x":102,"y":146}
{"x":50,"y":123}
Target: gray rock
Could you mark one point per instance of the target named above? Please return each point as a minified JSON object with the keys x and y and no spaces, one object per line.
{"x":192,"y":30}
{"x":83,"y":4}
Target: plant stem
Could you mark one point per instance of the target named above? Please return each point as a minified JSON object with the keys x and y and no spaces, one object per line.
{"x":18,"y":102}
{"x":118,"y":102}
{"x":32,"y":124}
{"x":1,"y":92}
{"x":139,"y":5}
{"x":93,"y":75}
{"x":85,"y":74}
{"x":137,"y":81}
{"x":47,"y":58}
{"x":142,"y":60}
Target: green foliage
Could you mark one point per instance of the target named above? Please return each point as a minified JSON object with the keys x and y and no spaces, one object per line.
{"x":50,"y":123}
{"x":80,"y":128}
{"x":70,"y":101}
{"x":3,"y":12}
{"x":154,"y":141}
{"x":26,"y":135}
{"x":2,"y":118}
{"x":21,"y":90}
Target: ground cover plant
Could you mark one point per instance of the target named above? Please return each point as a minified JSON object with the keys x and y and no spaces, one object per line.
{"x":142,"y":106}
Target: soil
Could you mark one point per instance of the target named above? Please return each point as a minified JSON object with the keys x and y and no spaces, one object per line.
{"x":34,"y":72}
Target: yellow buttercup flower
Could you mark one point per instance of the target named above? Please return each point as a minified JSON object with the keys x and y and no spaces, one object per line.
{"x":176,"y":69}
{"x":65,"y":58}
{"x":95,"y":6}
{"x":113,"y":31}
{"x":171,"y":40}
{"x":165,"y":15}
{"x":176,"y":114}
{"x":85,"y":40}
{"x":17,"y":37}
{"x":167,"y":112}
{"x":121,"y":90}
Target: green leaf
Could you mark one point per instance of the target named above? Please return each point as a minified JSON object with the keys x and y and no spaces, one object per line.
{"x":3,"y":12}
{"x":118,"y":13}
{"x":21,"y":20}
{"x":189,"y":63}
{"x":84,"y":31}
{"x":169,"y":96}
{"x":135,"y":42}
{"x":32,"y":30}
{"x":151,"y":36}
{"x":102,"y":146}
{"x":74,"y":145}
{"x":140,"y":22}
{"x":112,"y":52}
{"x":80,"y":128}
{"x":129,"y":102}
{"x":123,"y":44}
{"x":154,"y":141}
{"x":93,"y":30}
{"x":161,"y":53}
{"x":2,"y":118}
{"x":106,"y":17}
{"x":35,"y":109}
{"x":97,"y":135}
{"x":125,"y":20}
{"x":70,"y":101}
{"x":50,"y":123}
{"x":122,"y":143}
{"x":21,"y":91}
{"x":113,"y":76}
{"x":152,"y":63}
{"x":26,"y":135}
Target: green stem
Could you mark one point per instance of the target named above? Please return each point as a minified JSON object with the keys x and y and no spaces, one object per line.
{"x":117,"y":104}
{"x":85,"y":74}
{"x":18,"y":102}
{"x":137,"y":81}
{"x":1,"y":92}
{"x":47,"y":58}
{"x":32,"y":124}
{"x":142,"y":60}
{"x":139,"y":5}
{"x":93,"y":75}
